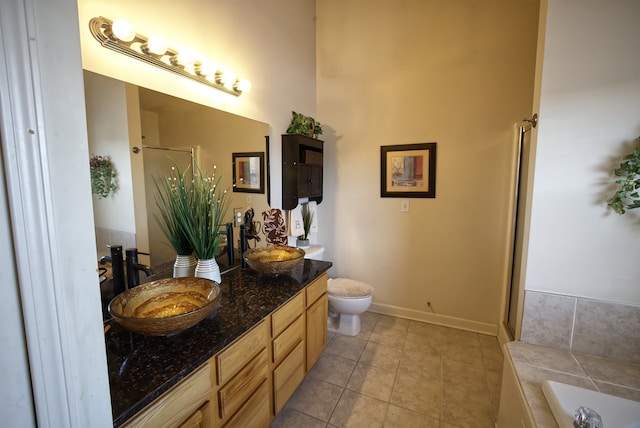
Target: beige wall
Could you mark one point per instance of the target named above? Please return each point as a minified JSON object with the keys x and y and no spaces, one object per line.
{"x":110,"y":138}
{"x":457,"y":73}
{"x":590,"y":116}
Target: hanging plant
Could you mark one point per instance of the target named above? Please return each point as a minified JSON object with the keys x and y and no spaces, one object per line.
{"x":305,"y":125}
{"x":627,"y":196}
{"x":103,"y":176}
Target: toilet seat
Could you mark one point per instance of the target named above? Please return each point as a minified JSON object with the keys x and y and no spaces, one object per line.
{"x":348,"y":288}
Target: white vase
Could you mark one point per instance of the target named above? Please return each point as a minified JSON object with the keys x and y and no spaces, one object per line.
{"x":209,"y":269}
{"x":184,"y":266}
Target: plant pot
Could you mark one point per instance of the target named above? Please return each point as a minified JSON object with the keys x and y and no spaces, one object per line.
{"x":302,"y":243}
{"x":209,"y":269}
{"x":185,"y":266}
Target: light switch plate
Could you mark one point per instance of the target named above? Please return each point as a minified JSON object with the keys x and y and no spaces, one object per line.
{"x":404,"y":205}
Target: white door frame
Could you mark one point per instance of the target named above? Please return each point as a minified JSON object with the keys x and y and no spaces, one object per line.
{"x":45,"y":155}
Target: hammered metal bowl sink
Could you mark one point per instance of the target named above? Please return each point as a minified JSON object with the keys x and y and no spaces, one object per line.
{"x":166,"y":306}
{"x":274,"y":260}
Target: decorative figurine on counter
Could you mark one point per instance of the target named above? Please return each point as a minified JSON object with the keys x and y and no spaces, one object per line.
{"x":251,"y":230}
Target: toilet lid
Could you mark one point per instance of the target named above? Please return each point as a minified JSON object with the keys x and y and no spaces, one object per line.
{"x":344,"y":287}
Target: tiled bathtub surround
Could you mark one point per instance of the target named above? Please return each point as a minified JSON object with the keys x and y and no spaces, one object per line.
{"x":535,"y":364}
{"x":105,"y":237}
{"x":586,"y":326}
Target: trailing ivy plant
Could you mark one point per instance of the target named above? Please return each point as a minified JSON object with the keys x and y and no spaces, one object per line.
{"x":305,"y":125}
{"x":627,"y":196}
{"x":103,"y":176}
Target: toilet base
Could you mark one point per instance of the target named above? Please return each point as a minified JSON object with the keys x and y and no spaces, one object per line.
{"x":345,"y":324}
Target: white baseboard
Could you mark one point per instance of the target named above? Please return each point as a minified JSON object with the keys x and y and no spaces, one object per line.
{"x":443,"y":320}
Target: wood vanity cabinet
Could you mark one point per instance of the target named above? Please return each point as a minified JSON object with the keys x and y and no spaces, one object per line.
{"x":302,"y":163}
{"x":249,"y":381}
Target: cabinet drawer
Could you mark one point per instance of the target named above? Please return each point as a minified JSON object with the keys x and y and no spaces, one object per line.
{"x":255,"y":413}
{"x":316,"y":289}
{"x":283,"y":317}
{"x":289,"y":338}
{"x":288,"y":376}
{"x":239,"y":353}
{"x":233,"y":395}
{"x":178,"y":403}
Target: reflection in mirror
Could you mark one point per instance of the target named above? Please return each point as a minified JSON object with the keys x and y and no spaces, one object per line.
{"x":144,"y":132}
{"x":248,"y":172}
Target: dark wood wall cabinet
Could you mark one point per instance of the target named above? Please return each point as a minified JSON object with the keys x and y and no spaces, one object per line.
{"x":302,"y":160}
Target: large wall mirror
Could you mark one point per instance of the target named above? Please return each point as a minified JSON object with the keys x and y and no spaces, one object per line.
{"x":145,"y":133}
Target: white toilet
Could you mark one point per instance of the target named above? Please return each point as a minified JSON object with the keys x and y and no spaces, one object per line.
{"x":347,"y":300}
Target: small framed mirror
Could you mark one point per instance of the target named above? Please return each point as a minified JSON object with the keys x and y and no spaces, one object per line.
{"x":248,"y":172}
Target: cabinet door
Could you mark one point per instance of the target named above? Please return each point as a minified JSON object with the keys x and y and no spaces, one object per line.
{"x":309,"y":181}
{"x":315,"y":181}
{"x":288,"y":376}
{"x":201,"y":418}
{"x":316,"y":330}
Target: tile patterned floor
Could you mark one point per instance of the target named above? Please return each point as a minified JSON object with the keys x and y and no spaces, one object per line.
{"x":400,"y":373}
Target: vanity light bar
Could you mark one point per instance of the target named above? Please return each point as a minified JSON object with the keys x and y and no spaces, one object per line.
{"x":119,"y":36}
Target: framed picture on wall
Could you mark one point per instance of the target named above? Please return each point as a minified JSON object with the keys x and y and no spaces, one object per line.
{"x":408,"y":171}
{"x":248,"y":172}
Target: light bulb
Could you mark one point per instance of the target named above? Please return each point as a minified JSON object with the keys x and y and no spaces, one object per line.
{"x":206,"y":69}
{"x":227,"y":78}
{"x":242,"y":85}
{"x":186,"y":58}
{"x":123,"y":30}
{"x":157,"y":45}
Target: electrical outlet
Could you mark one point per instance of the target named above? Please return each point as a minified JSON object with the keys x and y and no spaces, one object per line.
{"x":237,"y":216}
{"x":404,"y":205}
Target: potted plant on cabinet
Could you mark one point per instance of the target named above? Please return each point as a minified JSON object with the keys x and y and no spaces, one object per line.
{"x":305,"y":125}
{"x":173,"y":198}
{"x":627,"y":196}
{"x":307,"y":218}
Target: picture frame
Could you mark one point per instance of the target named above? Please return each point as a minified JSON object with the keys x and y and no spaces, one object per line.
{"x":248,"y":172}
{"x":408,"y":170}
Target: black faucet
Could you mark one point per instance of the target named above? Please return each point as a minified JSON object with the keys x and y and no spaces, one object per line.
{"x":117,"y":268}
{"x":229,"y":234}
{"x":243,"y":245}
{"x":134,"y":268}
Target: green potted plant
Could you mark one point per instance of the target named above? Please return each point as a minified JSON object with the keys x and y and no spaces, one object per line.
{"x":103,"y":176}
{"x":203,"y":223}
{"x":173,"y":198}
{"x":307,"y":218}
{"x":305,"y":125}
{"x":627,"y":196}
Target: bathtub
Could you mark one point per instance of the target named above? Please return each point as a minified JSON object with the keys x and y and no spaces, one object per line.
{"x":615,"y":412}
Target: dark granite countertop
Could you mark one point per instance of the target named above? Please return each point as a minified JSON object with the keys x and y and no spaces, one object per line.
{"x":141,"y":368}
